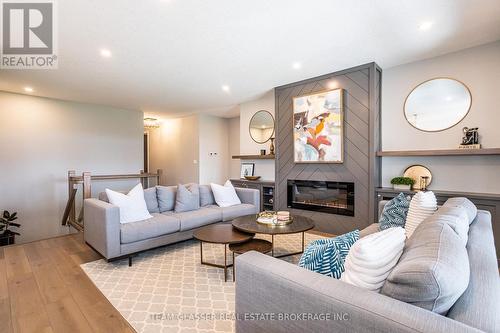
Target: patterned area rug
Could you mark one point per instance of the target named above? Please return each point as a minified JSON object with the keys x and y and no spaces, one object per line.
{"x":168,"y":290}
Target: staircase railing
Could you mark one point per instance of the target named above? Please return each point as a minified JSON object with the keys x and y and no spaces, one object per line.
{"x":85,"y":180}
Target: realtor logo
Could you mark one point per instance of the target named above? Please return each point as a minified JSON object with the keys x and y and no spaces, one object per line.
{"x":28,"y":34}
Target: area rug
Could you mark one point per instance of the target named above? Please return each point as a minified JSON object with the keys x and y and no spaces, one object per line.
{"x":168,"y":290}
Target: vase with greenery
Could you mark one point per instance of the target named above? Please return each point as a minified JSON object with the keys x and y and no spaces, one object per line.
{"x":8,"y":236}
{"x":402,"y":183}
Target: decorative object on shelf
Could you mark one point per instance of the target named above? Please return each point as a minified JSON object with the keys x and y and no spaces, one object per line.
{"x":151,"y":123}
{"x":470,"y":140}
{"x":252,"y":177}
{"x":247,"y":169}
{"x":402,"y":183}
{"x":318,"y":127}
{"x":273,"y":219}
{"x":423,"y":183}
{"x":437,"y":104}
{"x":263,"y":152}
{"x":271,"y":147}
{"x":416,"y":172}
{"x":261,"y":126}
{"x":8,"y":237}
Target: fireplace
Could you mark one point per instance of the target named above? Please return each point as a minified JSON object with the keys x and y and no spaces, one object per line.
{"x":321,"y":196}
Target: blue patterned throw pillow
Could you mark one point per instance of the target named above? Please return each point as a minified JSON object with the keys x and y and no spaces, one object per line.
{"x":394,"y":213}
{"x":327,"y":256}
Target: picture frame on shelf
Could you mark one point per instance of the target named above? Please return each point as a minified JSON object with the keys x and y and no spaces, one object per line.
{"x":247,"y":169}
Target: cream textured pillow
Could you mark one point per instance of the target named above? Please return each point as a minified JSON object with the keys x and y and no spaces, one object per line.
{"x":422,"y":205}
{"x":372,"y":258}
{"x":225,"y":196}
{"x":132,"y":205}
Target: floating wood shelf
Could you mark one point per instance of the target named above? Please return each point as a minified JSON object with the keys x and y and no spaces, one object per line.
{"x":253,"y":157}
{"x":441,"y":152}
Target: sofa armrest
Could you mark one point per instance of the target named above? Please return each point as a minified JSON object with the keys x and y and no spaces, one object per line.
{"x":102,"y":227}
{"x":267,"y":286}
{"x":249,"y":196}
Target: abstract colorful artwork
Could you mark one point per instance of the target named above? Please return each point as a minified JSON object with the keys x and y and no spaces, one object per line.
{"x":318,"y":127}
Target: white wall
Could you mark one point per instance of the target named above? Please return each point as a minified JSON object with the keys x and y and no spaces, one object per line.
{"x":234,"y":147}
{"x":41,"y":139}
{"x":479,"y":69}
{"x":263,"y":168}
{"x":174,"y":148}
{"x":214,"y":149}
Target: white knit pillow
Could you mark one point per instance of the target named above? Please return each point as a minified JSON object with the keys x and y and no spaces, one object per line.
{"x":372,"y":258}
{"x":422,"y":205}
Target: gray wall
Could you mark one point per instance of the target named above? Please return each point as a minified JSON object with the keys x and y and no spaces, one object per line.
{"x":41,"y":139}
{"x":361,"y":141}
{"x":479,"y":69}
{"x":174,"y":148}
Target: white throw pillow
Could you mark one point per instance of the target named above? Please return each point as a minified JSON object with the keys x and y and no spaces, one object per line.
{"x":372,"y":258}
{"x":132,"y":205}
{"x":225,"y":196}
{"x":422,"y":205}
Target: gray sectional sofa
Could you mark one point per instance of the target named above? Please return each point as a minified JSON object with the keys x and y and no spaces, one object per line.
{"x":434,"y":265}
{"x":104,"y":232}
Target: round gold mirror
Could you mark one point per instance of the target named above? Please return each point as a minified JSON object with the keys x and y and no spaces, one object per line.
{"x":437,"y":104}
{"x":261,"y":126}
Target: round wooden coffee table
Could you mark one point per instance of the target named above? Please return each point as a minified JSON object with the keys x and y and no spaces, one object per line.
{"x":260,"y":245}
{"x":220,"y":234}
{"x":249,"y":224}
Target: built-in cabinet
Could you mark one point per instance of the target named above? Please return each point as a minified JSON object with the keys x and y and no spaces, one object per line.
{"x":266,"y":189}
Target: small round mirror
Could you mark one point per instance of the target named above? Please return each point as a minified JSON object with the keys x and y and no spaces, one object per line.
{"x":261,"y":126}
{"x":437,"y":104}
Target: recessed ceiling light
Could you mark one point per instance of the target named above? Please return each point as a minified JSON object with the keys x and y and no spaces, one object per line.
{"x":225,"y":88}
{"x":28,"y":89}
{"x":106,"y":53}
{"x":296,"y":65}
{"x":448,"y":98}
{"x":425,"y":25}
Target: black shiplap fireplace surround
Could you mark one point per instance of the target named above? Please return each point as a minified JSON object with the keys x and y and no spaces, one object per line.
{"x":321,"y":196}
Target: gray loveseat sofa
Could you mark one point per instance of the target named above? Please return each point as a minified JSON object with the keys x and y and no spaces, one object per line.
{"x":270,"y":287}
{"x":113,"y":240}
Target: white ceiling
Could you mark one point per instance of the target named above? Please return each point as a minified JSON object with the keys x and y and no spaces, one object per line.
{"x":173,"y":56}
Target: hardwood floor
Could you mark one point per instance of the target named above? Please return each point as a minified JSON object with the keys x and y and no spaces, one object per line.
{"x":43,"y":289}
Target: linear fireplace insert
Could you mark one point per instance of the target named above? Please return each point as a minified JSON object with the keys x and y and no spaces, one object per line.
{"x":321,"y":196}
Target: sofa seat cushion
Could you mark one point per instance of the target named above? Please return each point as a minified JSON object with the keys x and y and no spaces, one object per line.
{"x":433,"y":271}
{"x":232,"y":212}
{"x":197,"y":218}
{"x":158,"y":225}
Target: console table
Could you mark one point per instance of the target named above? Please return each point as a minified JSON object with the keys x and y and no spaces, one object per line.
{"x":484,"y":201}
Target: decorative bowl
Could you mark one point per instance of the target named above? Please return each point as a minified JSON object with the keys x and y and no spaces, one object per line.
{"x":252,"y":177}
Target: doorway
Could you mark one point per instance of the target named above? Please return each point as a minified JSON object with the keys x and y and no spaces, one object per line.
{"x":146,"y":152}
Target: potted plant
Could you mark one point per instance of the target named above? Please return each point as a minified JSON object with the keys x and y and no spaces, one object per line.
{"x":402,"y":183}
{"x":8,"y":236}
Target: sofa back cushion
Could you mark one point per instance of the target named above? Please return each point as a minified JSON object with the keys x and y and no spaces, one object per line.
{"x":149,"y":197}
{"x":465,"y":203}
{"x":206,"y":196}
{"x":433,"y":270}
{"x":151,"y":200}
{"x":187,"y":198}
{"x":166,"y":197}
{"x":457,"y":219}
